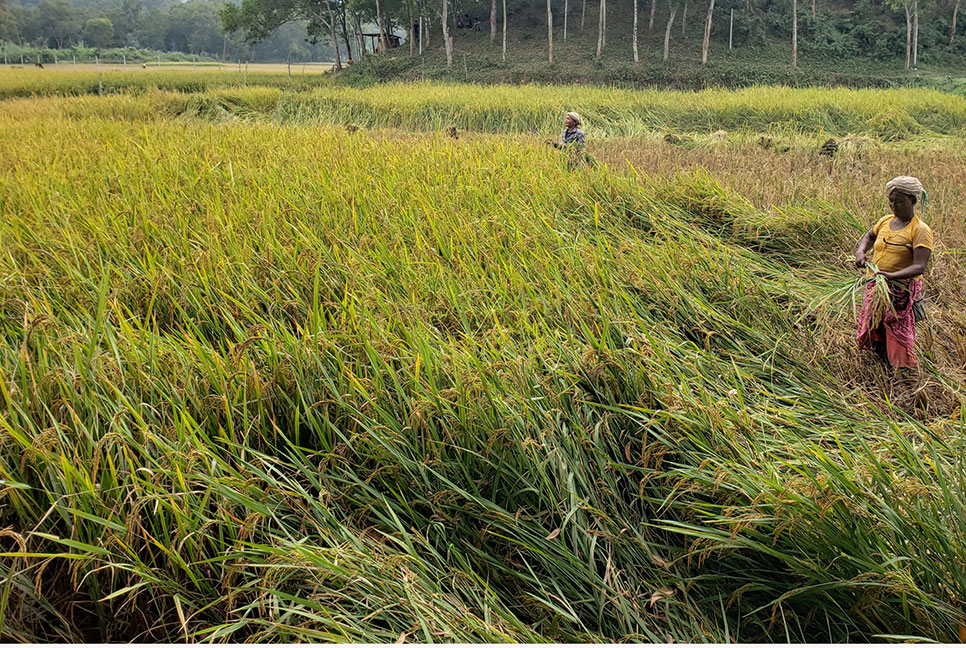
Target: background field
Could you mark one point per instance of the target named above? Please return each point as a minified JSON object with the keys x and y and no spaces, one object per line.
{"x":69,"y":80}
{"x":205,"y":66}
{"x":287,"y":363}
{"x":887,"y":115}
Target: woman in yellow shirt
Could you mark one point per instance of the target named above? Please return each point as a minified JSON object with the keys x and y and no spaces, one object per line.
{"x":901,"y":245}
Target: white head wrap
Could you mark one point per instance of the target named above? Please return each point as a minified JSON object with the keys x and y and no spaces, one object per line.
{"x":907,"y":185}
{"x":574,"y":116}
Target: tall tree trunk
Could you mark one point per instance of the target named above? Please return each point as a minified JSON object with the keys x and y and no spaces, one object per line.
{"x":684,"y":19}
{"x":667,"y":32}
{"x":549,"y":33}
{"x":604,"y":3}
{"x":908,"y":37}
{"x":915,"y":34}
{"x":357,"y":26}
{"x":492,"y":21}
{"x":813,"y":9}
{"x":566,"y":12}
{"x":504,"y":30}
{"x":583,"y":14}
{"x":382,"y":28}
{"x":345,"y":32}
{"x":952,"y":30}
{"x":794,"y":33}
{"x":447,"y":41}
{"x":650,"y":21}
{"x":335,"y":42}
{"x":707,"y":34}
{"x":731,"y":29}
{"x":600,"y":28}
{"x":409,"y":29}
{"x":636,"y":57}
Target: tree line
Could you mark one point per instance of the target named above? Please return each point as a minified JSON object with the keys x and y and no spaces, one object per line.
{"x":193,"y":27}
{"x":308,"y":29}
{"x":834,"y":29}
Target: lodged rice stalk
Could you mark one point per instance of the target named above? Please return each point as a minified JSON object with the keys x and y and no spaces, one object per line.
{"x":431,"y":106}
{"x":253,"y":390}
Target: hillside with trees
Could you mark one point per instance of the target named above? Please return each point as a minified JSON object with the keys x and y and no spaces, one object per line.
{"x":680,"y":43}
{"x":861,"y":42}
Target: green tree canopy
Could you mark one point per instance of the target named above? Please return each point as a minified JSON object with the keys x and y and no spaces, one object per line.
{"x":58,"y":21}
{"x":99,"y":32}
{"x":8,"y":23}
{"x":258,"y":19}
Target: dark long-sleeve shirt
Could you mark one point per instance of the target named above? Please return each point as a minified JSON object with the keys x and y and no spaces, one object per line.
{"x":571,"y":138}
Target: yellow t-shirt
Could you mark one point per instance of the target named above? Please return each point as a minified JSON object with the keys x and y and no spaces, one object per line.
{"x":892,"y":250}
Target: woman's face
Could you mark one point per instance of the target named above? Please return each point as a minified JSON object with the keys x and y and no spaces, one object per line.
{"x":569,"y":122}
{"x":902,"y":204}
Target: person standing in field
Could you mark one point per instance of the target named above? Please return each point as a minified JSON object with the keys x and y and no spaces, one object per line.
{"x":901,"y":245}
{"x":573,"y":137}
{"x":572,"y":140}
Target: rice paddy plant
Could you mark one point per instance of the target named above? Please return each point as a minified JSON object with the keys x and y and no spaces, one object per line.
{"x":881,"y":297}
{"x":889,"y":115}
{"x":53,"y":82}
{"x":253,"y":388}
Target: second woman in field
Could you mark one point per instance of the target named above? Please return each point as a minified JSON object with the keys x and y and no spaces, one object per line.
{"x":572,"y":137}
{"x":572,"y":140}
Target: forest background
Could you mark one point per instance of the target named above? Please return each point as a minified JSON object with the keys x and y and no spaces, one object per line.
{"x":871,"y":36}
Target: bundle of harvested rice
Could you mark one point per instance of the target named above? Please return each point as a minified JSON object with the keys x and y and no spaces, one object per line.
{"x":881,"y":297}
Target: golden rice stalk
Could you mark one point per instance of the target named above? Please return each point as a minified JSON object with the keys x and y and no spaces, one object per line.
{"x":881,"y":297}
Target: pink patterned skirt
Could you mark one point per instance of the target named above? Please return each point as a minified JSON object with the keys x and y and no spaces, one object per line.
{"x":897,"y":332}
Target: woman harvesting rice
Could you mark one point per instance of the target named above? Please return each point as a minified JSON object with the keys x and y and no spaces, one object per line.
{"x":573,"y":137}
{"x":901,"y":246}
{"x":572,"y":140}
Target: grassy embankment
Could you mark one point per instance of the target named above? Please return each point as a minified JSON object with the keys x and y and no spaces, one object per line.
{"x":401,"y":386}
{"x":757,"y":58}
{"x":477,"y":62}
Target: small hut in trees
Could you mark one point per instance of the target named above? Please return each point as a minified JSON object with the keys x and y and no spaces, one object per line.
{"x":376,"y":42}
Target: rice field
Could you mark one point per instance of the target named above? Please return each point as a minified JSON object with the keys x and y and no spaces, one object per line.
{"x":268,"y":378}
{"x":109,"y":79}
{"x":886,"y":115}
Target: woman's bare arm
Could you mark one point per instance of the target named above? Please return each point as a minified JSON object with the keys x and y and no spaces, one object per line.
{"x":865,"y":244}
